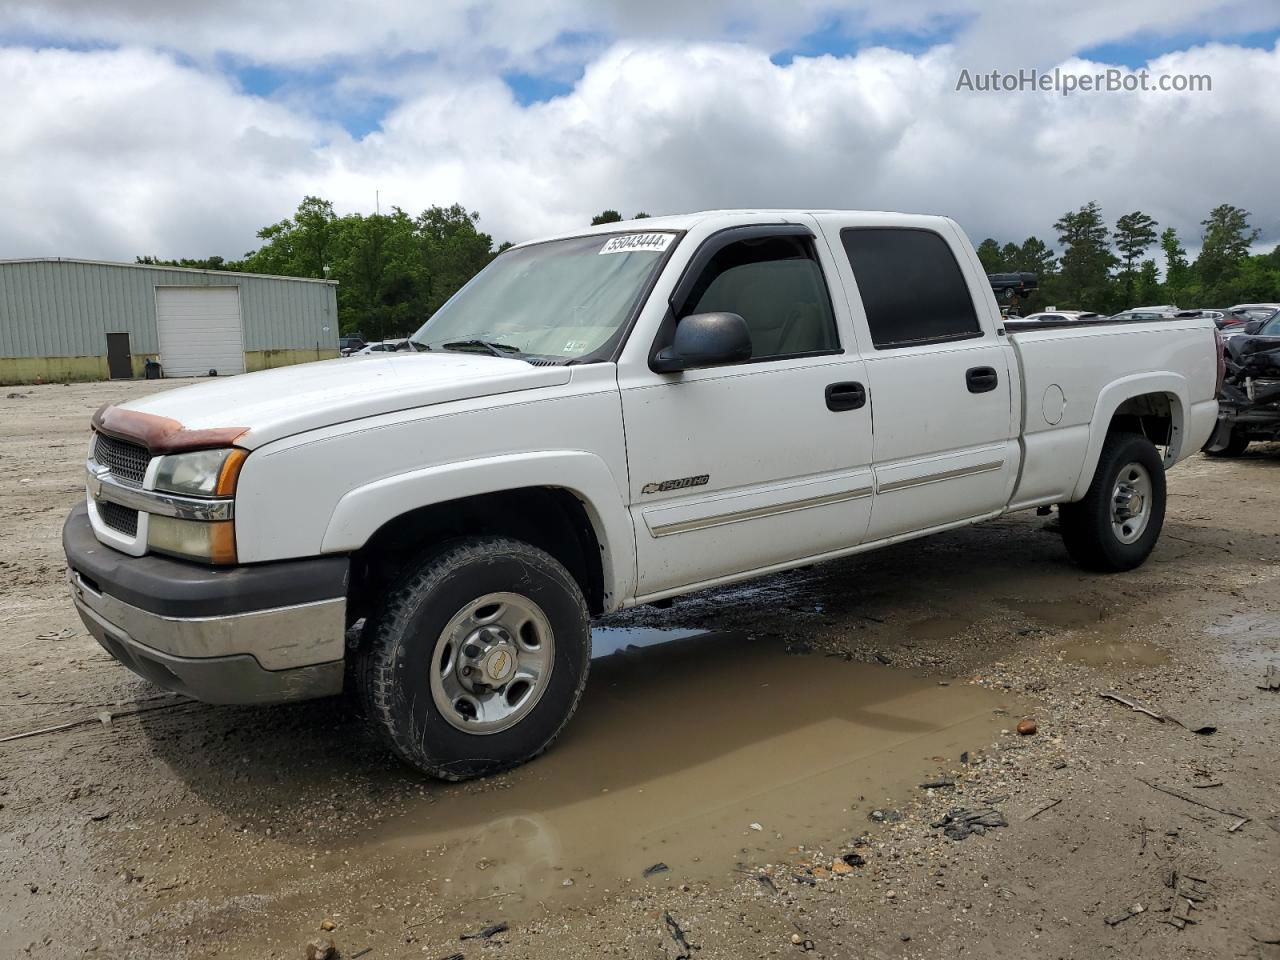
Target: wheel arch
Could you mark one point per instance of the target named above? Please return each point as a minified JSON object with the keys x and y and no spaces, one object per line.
{"x":1155,"y":405}
{"x":567,"y":504}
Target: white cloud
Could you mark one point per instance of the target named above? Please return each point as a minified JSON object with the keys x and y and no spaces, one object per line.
{"x":123,"y":152}
{"x":667,"y":128}
{"x":114,"y":153}
{"x":472,"y":35}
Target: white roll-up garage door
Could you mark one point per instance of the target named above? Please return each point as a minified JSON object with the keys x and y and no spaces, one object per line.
{"x":199,"y":330}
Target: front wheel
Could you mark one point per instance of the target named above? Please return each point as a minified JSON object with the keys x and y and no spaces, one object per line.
{"x":478,"y":658}
{"x":1117,"y":523}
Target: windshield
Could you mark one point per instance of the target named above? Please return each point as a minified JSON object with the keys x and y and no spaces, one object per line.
{"x":560,"y":300}
{"x":1272,"y":327}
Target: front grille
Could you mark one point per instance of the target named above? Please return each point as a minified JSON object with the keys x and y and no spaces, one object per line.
{"x":120,"y":519}
{"x":126,"y":461}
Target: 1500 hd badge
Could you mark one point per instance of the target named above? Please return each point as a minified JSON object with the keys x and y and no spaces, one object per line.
{"x":682,"y":484}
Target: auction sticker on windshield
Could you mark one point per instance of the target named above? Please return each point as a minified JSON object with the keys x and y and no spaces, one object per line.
{"x":629,"y":242}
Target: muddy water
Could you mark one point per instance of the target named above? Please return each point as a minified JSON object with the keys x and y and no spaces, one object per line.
{"x":678,"y":748}
{"x":676,"y":751}
{"x":610,"y":640}
{"x":1060,"y":614}
{"x":1095,"y":635}
{"x":1247,"y":640}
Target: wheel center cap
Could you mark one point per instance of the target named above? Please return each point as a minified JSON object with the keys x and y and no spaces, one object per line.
{"x":1129,"y":504}
{"x":499,"y":664}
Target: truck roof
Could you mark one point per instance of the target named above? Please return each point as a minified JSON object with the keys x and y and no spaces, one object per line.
{"x":687,"y":221}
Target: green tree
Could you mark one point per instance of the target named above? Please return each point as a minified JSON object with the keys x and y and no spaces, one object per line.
{"x":451,"y":252}
{"x":376,"y":265}
{"x":1135,"y":233}
{"x":205,"y":263}
{"x":1226,"y":240}
{"x":393,"y":270}
{"x":300,"y":246}
{"x":1009,"y":256}
{"x":1035,"y":256}
{"x":1146,"y":285}
{"x":990,"y":256}
{"x":1087,"y":260}
{"x":613,"y":216}
{"x":1256,"y":280}
{"x":1176,"y":269}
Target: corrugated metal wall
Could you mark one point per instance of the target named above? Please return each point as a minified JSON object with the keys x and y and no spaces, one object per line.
{"x":67,"y":308}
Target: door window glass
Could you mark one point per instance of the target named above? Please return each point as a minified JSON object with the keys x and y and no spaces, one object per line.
{"x":776,"y":285}
{"x":912,"y":289}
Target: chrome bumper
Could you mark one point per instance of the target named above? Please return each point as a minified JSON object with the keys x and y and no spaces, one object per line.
{"x":263,"y":656}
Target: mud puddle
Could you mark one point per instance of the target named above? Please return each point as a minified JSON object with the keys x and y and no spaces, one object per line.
{"x":1263,"y":626}
{"x":610,"y":640}
{"x":677,"y":751}
{"x":1095,"y":635}
{"x":939,"y":627}
{"x":1059,"y":614}
{"x":1247,"y":640}
{"x":699,"y":754}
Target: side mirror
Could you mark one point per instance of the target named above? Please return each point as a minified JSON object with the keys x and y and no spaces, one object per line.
{"x":1253,"y":326}
{"x":705,"y":340}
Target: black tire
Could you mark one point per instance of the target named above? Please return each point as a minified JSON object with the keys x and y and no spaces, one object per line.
{"x":1087,"y":525}
{"x":1237,"y":444}
{"x":397,"y":656}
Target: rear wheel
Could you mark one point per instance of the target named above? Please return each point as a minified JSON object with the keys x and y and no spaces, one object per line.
{"x":1237,"y":443}
{"x":478,"y":658}
{"x":1116,"y":524}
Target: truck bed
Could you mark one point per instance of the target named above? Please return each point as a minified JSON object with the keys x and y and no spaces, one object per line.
{"x":1067,"y":374}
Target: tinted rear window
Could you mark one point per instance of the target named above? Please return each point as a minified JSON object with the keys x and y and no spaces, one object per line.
{"x":911,"y":287}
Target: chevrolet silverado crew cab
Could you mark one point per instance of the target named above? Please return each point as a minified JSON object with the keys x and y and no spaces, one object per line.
{"x":598,"y":420}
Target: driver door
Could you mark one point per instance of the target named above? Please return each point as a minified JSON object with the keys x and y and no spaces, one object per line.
{"x":759,"y":463}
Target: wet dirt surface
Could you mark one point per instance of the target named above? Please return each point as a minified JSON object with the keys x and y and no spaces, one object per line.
{"x":813,"y":705}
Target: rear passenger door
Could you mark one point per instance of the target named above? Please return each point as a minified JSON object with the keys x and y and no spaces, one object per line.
{"x":939,"y":379}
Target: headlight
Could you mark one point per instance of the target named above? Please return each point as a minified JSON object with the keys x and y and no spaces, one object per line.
{"x":203,"y":540}
{"x":205,"y":473}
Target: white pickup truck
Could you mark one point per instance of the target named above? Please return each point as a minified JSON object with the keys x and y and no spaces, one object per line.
{"x":599,"y":420}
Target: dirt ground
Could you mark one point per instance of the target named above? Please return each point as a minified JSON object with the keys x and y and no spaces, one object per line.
{"x":751,"y":788}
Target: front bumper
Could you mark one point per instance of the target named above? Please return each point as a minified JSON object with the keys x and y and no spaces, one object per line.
{"x":256,"y":634}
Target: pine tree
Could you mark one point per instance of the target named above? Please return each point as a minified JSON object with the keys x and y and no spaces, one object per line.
{"x":1135,"y":233}
{"x":1227,"y":238}
{"x":1087,"y":259}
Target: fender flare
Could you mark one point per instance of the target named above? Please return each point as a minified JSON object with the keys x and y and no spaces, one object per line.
{"x":1115,"y":393}
{"x":363,"y":510}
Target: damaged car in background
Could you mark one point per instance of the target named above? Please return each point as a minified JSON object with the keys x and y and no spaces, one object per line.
{"x":1249,"y":407}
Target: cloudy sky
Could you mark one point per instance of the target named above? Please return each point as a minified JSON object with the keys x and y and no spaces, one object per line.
{"x":141,"y":127}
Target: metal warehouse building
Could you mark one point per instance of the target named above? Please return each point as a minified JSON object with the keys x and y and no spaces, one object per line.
{"x":64,"y":319}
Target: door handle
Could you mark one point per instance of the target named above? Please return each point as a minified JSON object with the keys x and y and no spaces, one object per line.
{"x":981,"y":379}
{"x":846,"y":396}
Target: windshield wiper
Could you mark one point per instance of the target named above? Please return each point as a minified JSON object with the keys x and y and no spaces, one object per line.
{"x":488,"y":346}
